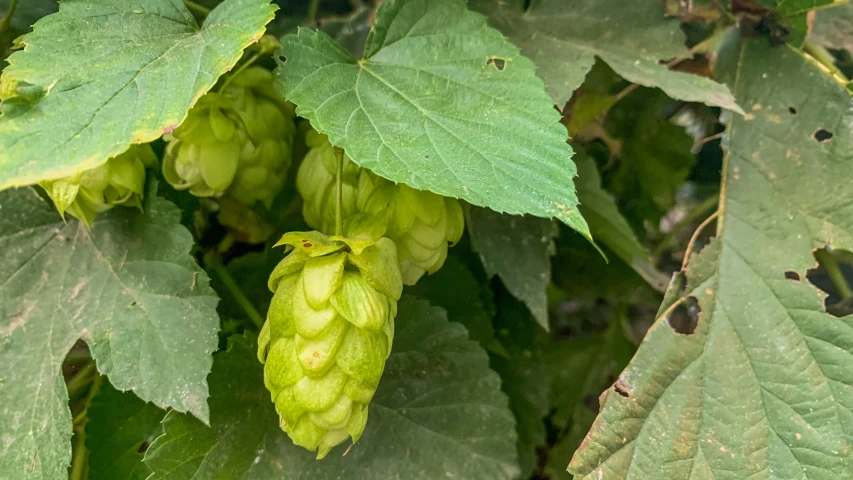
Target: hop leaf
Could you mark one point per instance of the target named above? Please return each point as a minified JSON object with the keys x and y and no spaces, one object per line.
{"x":237,"y":139}
{"x":329,"y":331}
{"x":119,"y":181}
{"x":420,"y":223}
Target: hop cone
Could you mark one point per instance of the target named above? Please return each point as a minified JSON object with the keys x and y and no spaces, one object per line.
{"x":420,"y":223}
{"x":329,"y":331}
{"x":237,"y":140}
{"x":315,"y":181}
{"x":119,"y":181}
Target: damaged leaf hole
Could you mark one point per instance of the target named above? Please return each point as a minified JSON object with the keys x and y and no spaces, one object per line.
{"x":282,"y":59}
{"x":792,"y":275}
{"x":822,"y":135}
{"x":685,"y":317}
{"x":498,"y":63}
{"x":834,"y":276}
{"x":792,"y":110}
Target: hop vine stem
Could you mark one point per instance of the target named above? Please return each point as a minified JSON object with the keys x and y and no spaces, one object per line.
{"x":339,"y":193}
{"x":214,"y":263}
{"x":201,"y":9}
{"x":829,"y":263}
{"x":7,"y":18}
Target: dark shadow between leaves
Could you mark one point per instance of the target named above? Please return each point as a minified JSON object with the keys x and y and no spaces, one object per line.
{"x":685,"y":317}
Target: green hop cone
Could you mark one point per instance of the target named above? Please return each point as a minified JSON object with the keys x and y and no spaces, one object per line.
{"x":315,"y":182}
{"x":118,"y":181}
{"x":329,"y":331}
{"x":421,"y":223}
{"x":238,"y":139}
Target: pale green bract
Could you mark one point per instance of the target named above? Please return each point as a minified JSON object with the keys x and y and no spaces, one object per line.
{"x":329,"y":331}
{"x":120,"y":181}
{"x":420,"y":223}
{"x":464,"y":119}
{"x":96,"y":77}
{"x":237,"y":140}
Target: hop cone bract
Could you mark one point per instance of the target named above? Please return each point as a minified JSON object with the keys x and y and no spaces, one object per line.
{"x":237,"y":140}
{"x":118,"y":181}
{"x":421,"y":223}
{"x":329,"y":331}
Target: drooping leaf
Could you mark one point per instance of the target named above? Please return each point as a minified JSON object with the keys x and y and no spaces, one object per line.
{"x":465,"y":118}
{"x":438,"y":413}
{"x":119,"y":428}
{"x":607,"y":224}
{"x":632,"y":37}
{"x":519,"y":250}
{"x":763,"y":387}
{"x":454,"y":288}
{"x":96,"y":77}
{"x":128,"y":287}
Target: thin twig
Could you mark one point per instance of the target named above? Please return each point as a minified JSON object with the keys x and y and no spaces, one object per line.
{"x":7,"y":18}
{"x":339,"y":193}
{"x":254,"y":58}
{"x":692,"y":241}
{"x":697,"y":211}
{"x":81,"y":455}
{"x":212,"y":261}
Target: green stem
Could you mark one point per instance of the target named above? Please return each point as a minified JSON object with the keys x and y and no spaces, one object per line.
{"x":829,"y":263}
{"x":212,"y":261}
{"x":200,"y":9}
{"x":339,"y":193}
{"x":696,"y":213}
{"x":80,"y":458}
{"x":254,"y":58}
{"x":311,"y":16}
{"x":7,"y":19}
{"x":82,"y":379}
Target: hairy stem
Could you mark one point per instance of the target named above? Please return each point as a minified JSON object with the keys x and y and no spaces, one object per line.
{"x":7,"y":19}
{"x":212,"y":261}
{"x":833,"y":270}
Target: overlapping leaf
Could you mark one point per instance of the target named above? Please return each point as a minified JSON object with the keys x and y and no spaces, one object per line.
{"x":763,"y":388}
{"x":519,"y":250}
{"x":438,"y":413}
{"x":128,"y":287}
{"x":96,"y":77}
{"x":120,"y":426}
{"x":607,"y":224}
{"x":563,"y":40}
{"x":440,"y":102}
